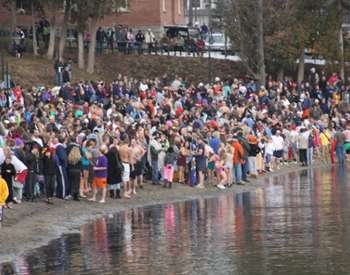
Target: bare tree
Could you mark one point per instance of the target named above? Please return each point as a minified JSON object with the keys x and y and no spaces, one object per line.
{"x":63,"y":33}
{"x":97,"y":10}
{"x":35,"y":42}
{"x":13,"y":8}
{"x":260,"y":43}
{"x":51,"y":9}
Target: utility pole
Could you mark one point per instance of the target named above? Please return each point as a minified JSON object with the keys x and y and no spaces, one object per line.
{"x":209,"y":44}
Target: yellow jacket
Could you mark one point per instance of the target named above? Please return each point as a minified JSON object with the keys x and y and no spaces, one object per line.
{"x":4,"y":191}
{"x":325,"y":138}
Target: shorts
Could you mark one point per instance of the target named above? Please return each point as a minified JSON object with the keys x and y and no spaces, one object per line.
{"x":278,"y":154}
{"x":211,"y":165}
{"x":126,"y":172}
{"x":201,"y":166}
{"x":99,"y":183}
{"x":138,"y":168}
{"x":132,"y":172}
{"x":268,"y":158}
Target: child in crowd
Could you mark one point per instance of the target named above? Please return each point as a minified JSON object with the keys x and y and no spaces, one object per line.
{"x":169,"y":162}
{"x":8,"y":172}
{"x":220,"y":169}
{"x":269,"y":149}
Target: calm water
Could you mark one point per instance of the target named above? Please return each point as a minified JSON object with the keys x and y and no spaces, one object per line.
{"x":296,"y":224}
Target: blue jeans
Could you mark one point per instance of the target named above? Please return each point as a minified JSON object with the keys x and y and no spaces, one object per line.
{"x":245,"y":170}
{"x":310,"y":152}
{"x":155,"y":172}
{"x":339,"y":149}
{"x":237,"y":173}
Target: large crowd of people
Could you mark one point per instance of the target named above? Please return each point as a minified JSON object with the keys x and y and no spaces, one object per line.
{"x":99,"y":141}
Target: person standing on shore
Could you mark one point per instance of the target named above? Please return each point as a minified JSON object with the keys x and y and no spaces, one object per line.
{"x":4,"y":193}
{"x":75,"y":170}
{"x":114,"y":172}
{"x":8,"y":171}
{"x":339,"y":147}
{"x":124,"y":153}
{"x":302,"y":145}
{"x":49,"y":171}
{"x":169,"y":163}
{"x":181,"y":161}
{"x":19,"y":160}
{"x":155,"y":149}
{"x":137,"y":153}
{"x":100,"y":179}
{"x":62,"y":162}
{"x":201,"y":162}
{"x":238,"y":153}
{"x":32,"y":161}
{"x":325,"y":141}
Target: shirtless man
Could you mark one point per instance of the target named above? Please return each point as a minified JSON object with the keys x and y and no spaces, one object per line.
{"x":137,"y":153}
{"x":124,"y":153}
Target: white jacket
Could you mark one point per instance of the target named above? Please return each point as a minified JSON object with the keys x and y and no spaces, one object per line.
{"x":149,"y":37}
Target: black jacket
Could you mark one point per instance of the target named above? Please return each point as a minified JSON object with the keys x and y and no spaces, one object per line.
{"x":49,"y":166}
{"x":75,"y":167}
{"x":32,"y":163}
{"x":254,"y":150}
{"x":114,"y":172}
{"x":7,"y":172}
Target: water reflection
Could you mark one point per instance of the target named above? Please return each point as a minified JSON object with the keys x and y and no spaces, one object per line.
{"x":298,"y":223}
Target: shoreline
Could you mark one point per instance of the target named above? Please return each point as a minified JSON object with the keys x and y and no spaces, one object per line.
{"x":32,"y":225}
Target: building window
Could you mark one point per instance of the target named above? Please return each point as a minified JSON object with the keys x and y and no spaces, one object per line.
{"x":120,"y":5}
{"x":179,"y":7}
{"x":164,"y":5}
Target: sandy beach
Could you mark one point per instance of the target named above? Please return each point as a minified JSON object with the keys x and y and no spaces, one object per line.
{"x":31,"y":225}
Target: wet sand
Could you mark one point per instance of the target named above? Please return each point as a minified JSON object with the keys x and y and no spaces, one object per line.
{"x":31,"y":225}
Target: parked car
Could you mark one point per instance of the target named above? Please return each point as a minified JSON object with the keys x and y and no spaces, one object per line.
{"x":217,"y":42}
{"x":186,"y":33}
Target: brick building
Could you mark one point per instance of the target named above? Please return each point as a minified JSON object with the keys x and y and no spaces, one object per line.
{"x":134,"y":13}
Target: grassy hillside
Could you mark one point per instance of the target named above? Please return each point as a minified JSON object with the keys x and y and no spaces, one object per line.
{"x":32,"y":70}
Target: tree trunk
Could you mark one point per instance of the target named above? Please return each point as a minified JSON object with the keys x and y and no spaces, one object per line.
{"x":280,"y":74}
{"x":35,"y":42}
{"x":81,"y":62}
{"x":190,"y":12}
{"x":63,"y":38}
{"x":341,"y":54}
{"x":261,"y":54}
{"x":92,"y":47}
{"x":301,"y":66}
{"x":13,"y":15}
{"x":340,"y":12}
{"x":51,"y":48}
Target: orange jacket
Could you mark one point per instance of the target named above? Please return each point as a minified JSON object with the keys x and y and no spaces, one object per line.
{"x":238,"y":152}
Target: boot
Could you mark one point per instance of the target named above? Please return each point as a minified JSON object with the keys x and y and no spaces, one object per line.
{"x":76,"y":197}
{"x":170,"y":184}
{"x":118,"y":194}
{"x":111,"y":194}
{"x":165,"y":184}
